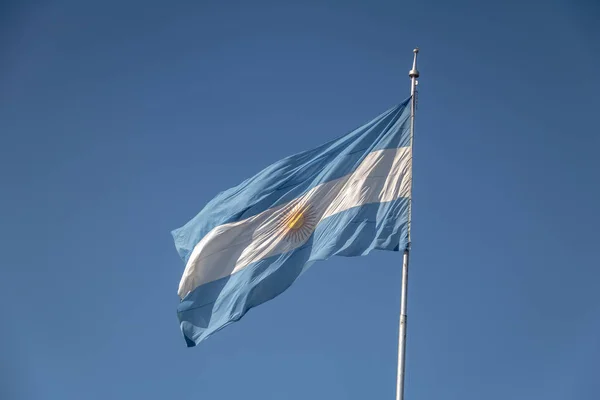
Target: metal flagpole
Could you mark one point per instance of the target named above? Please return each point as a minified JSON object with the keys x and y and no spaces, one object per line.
{"x":413,"y":74}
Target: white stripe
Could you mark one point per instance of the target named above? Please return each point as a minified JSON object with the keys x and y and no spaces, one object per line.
{"x":383,"y":175}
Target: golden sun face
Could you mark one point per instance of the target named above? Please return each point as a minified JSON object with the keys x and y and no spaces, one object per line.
{"x":298,"y":223}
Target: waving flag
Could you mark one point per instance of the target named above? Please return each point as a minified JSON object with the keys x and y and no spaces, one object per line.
{"x":251,"y":242}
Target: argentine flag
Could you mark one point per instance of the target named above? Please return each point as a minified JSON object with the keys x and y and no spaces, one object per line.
{"x":251,"y":242}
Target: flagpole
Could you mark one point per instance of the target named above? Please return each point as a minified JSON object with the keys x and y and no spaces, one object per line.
{"x":413,"y":74}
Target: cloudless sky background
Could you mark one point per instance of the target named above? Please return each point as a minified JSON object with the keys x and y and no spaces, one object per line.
{"x":119,"y":120}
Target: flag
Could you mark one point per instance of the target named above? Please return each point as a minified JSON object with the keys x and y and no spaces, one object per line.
{"x":251,"y":242}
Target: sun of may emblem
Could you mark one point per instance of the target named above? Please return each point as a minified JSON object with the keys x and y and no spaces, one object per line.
{"x":298,"y":223}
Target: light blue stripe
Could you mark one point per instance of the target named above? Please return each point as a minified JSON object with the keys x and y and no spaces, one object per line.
{"x":293,"y":176}
{"x":354,"y":232}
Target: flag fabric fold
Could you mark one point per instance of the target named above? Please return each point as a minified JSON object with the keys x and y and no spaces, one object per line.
{"x":251,"y":242}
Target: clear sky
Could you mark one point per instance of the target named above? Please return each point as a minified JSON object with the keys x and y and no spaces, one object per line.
{"x":119,"y":120}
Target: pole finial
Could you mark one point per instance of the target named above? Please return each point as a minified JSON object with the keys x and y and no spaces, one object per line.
{"x":414,"y":72}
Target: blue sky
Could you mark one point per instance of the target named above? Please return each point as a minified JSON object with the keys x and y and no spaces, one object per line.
{"x":120,"y":120}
